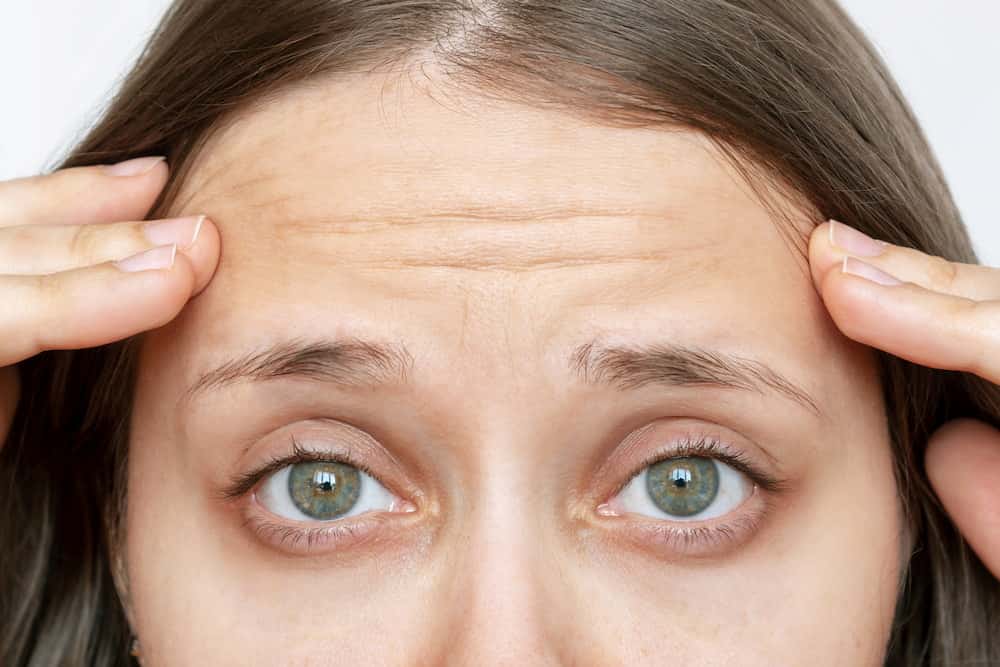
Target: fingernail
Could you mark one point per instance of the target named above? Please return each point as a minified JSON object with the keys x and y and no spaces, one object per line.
{"x":856,"y":267}
{"x":182,"y":231}
{"x":851,"y":240}
{"x":133,"y":167}
{"x":154,"y":258}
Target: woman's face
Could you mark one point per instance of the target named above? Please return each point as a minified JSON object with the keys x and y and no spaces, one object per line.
{"x":551,"y":357}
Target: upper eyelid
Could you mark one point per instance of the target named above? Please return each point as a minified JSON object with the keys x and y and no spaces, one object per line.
{"x":383,"y":466}
{"x":688,"y":445}
{"x":709,"y":447}
{"x":243,"y":483}
{"x":731,"y":456}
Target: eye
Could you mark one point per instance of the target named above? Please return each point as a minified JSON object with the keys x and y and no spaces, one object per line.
{"x":322,"y":491}
{"x":685,"y":488}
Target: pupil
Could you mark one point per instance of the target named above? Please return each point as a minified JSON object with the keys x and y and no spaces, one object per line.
{"x":680,"y":477}
{"x":684,"y":485}
{"x":324,"y":480}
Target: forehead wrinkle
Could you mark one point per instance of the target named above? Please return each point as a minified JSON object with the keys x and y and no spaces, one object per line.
{"x":456,"y":233}
{"x":441,"y":219}
{"x":361,"y":214}
{"x":513,"y":246}
{"x":247,"y":193}
{"x":497,"y":266}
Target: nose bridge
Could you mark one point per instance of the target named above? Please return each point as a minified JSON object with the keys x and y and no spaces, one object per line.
{"x":500,"y":580}
{"x":502,"y":602}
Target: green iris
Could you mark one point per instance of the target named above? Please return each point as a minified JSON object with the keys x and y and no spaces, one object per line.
{"x":683,"y":486}
{"x":324,"y":489}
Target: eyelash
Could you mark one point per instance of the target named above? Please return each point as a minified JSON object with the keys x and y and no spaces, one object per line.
{"x":711,"y":448}
{"x":659,"y":531}
{"x":678,"y":536}
{"x":241,"y":484}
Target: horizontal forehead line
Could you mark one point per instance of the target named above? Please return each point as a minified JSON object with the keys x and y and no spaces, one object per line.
{"x":354,"y":362}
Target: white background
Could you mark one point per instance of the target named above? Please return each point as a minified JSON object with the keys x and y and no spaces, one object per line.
{"x":60,"y":58}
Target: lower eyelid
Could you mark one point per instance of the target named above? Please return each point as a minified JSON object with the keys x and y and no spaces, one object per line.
{"x":313,"y":537}
{"x":340,"y":534}
{"x":672,"y":541}
{"x":690,"y":539}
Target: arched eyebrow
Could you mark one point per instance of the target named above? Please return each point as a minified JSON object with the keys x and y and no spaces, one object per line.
{"x":352,"y":362}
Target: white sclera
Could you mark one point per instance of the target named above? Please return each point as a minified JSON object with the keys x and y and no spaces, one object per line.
{"x":734,"y":488}
{"x":274,"y":495}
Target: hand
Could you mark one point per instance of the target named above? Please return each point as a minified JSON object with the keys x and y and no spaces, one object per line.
{"x":59,"y":286}
{"x":943,"y":315}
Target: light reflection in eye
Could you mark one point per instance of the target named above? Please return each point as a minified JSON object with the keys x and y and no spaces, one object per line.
{"x":323,"y":491}
{"x":691,"y":488}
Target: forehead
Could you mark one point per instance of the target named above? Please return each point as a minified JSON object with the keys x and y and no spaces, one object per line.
{"x":359,"y":153}
{"x":374,"y":204}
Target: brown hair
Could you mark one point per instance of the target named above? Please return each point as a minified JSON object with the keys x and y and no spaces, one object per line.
{"x":789,"y":90}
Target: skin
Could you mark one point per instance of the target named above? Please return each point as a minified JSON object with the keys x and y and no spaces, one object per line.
{"x":505,"y":560}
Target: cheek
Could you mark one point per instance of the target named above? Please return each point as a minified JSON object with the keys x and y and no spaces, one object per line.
{"x":162,"y":536}
{"x":173,"y":583}
{"x":819,"y":580}
{"x":834,"y":571}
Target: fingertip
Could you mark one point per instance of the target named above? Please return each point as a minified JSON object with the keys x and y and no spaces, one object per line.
{"x":965,"y":440}
{"x":183,"y":279}
{"x":204,"y":255}
{"x":962,"y":464}
{"x":852,"y":304}
{"x":139,"y":166}
{"x":829,"y":281}
{"x":820,"y":232}
{"x":100,"y":196}
{"x":155,"y":177}
{"x":165,"y":291}
{"x":142,"y":182}
{"x":822,"y":257}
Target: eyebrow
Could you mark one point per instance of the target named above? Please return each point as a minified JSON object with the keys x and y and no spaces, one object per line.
{"x":352,"y":362}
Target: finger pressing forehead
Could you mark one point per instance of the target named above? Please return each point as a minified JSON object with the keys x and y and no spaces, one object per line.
{"x":832,"y":241}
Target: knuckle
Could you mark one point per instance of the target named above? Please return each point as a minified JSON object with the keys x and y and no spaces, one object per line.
{"x":39,"y":297}
{"x":48,"y":295}
{"x":941,"y":273}
{"x":20,"y":239}
{"x":83,"y":242}
{"x":47,"y":288}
